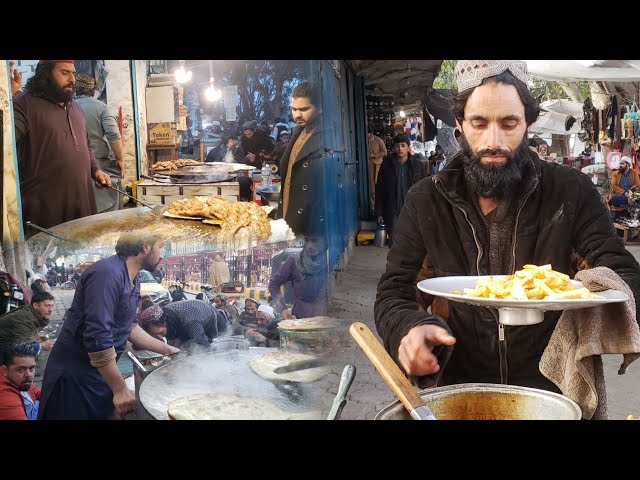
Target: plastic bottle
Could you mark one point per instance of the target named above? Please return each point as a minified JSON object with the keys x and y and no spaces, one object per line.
{"x":266,"y":176}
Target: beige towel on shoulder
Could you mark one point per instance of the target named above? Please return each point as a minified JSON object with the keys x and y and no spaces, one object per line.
{"x":572,"y":359}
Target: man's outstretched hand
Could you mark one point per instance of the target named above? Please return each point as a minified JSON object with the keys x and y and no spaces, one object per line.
{"x":415,"y":353}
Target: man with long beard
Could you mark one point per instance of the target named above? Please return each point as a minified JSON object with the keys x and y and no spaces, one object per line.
{"x":494,"y":208}
{"x":55,"y":164}
{"x":82,"y":380}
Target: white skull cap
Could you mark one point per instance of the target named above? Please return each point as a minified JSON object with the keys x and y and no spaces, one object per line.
{"x":471,"y":73}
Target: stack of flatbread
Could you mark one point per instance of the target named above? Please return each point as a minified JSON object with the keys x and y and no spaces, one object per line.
{"x":265,"y":365}
{"x":173,"y":164}
{"x":233,"y":217}
{"x":231,"y":406}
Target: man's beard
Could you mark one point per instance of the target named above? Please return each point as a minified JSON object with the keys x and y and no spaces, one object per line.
{"x":494,"y":180}
{"x":58,"y":94}
{"x":25,"y":386}
{"x":150,"y":267}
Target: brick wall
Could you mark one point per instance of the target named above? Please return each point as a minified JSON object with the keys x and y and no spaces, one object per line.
{"x":26,"y":68}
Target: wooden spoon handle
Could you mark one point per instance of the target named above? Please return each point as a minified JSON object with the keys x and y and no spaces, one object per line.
{"x":385,"y":365}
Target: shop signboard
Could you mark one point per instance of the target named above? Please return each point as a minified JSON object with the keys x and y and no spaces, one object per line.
{"x":230,"y":95}
{"x":230,"y":99}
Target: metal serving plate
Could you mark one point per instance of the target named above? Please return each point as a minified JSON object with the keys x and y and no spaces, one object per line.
{"x":514,"y":312}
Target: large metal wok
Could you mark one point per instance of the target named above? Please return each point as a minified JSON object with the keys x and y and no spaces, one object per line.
{"x":481,"y":401}
{"x":223,"y":372}
{"x":107,"y":227}
{"x":198,"y":174}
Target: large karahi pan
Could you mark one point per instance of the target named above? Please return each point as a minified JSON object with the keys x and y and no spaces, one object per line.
{"x":197,"y":174}
{"x":225,"y":372}
{"x":208,"y":173}
{"x":102,"y":226}
{"x":484,"y":401}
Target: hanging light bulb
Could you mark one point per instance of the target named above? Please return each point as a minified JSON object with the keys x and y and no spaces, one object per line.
{"x":402,"y":114}
{"x":212,"y":93}
{"x":182,"y":76}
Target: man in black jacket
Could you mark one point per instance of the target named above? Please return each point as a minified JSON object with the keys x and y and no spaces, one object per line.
{"x":398,"y":172}
{"x":256,"y":144}
{"x":302,"y":164}
{"x":495,"y":208}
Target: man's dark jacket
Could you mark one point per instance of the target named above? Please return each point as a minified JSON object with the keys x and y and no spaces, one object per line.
{"x":305,"y":213}
{"x":260,"y":144}
{"x":20,"y":325}
{"x":387,"y":186}
{"x":559,"y":216}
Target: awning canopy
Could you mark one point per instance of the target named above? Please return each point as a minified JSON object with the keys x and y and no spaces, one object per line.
{"x":590,"y":70}
{"x":407,"y":80}
{"x":553,"y":117}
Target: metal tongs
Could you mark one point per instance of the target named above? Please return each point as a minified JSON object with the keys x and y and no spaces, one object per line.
{"x":135,"y":360}
{"x":49,"y":232}
{"x":131,"y":196}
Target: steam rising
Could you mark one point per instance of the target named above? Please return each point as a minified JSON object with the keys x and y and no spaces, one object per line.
{"x":223,"y":372}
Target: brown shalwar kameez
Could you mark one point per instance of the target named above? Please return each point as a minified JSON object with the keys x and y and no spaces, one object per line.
{"x":55,"y":163}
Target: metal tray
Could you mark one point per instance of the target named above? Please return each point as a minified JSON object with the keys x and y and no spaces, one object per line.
{"x":513,"y":312}
{"x":210,"y":176}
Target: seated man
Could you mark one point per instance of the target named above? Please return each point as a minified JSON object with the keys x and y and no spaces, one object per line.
{"x":247,"y":318}
{"x":266,"y":333}
{"x":19,"y":397}
{"x":190,"y":325}
{"x":622,"y":180}
{"x":23,"y":324}
{"x":221,"y":302}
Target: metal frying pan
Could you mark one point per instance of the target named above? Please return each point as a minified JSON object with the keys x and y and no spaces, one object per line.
{"x":180,"y":176}
{"x":226,"y":372}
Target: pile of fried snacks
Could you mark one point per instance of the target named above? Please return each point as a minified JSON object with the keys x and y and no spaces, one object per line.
{"x":531,"y":283}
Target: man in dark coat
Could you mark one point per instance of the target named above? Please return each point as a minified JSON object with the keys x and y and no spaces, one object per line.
{"x":52,"y":143}
{"x":398,"y":172}
{"x":256,"y":144}
{"x":301,"y":165}
{"x":22,"y":324}
{"x":493,"y":209}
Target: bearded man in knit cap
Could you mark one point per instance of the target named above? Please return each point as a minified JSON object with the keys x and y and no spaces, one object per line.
{"x":104,"y":137}
{"x":494,"y":208}
{"x":57,"y":168}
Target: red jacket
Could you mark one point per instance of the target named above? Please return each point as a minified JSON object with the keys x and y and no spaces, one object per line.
{"x":11,"y":401}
